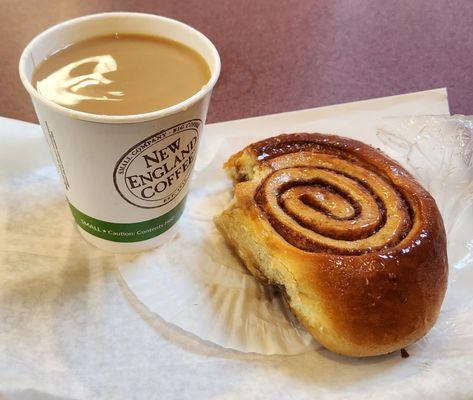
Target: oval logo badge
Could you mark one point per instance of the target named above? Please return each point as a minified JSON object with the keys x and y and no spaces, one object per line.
{"x":152,"y":173}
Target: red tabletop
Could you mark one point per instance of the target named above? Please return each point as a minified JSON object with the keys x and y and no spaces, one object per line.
{"x":286,"y":55}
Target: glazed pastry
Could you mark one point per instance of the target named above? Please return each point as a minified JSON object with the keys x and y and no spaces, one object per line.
{"x":356,"y":244}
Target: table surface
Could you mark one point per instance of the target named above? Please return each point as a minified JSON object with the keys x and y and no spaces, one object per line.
{"x":283,"y":55}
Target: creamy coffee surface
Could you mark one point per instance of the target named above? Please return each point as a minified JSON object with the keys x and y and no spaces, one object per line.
{"x":121,"y":74}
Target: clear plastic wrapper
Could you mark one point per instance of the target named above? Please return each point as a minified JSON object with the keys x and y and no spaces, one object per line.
{"x":438,"y":151}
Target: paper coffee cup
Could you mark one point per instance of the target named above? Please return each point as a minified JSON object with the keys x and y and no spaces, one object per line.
{"x":102,"y":159}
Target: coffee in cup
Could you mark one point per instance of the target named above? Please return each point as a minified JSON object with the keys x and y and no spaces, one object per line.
{"x":122,"y":100}
{"x":121,"y":74}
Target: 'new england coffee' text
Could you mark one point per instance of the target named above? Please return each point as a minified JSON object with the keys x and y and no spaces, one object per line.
{"x":163,"y":169}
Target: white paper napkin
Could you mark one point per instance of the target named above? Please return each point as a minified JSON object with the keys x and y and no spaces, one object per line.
{"x":71,"y":329}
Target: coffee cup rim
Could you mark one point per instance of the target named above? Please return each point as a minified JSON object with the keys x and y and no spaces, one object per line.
{"x":183,"y":105}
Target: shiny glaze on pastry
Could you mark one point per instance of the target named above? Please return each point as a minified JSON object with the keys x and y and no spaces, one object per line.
{"x":357,"y":244}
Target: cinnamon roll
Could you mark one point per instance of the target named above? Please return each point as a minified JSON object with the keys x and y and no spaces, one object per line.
{"x":357,"y":245}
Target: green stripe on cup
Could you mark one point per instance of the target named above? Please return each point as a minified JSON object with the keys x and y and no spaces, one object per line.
{"x":126,"y":232}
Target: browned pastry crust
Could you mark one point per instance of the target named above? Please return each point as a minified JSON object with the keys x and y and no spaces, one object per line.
{"x":357,"y":244}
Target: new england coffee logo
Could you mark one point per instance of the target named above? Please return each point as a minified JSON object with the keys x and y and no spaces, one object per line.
{"x":153,"y":172}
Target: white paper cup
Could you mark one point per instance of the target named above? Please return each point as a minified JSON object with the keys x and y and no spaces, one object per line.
{"x":102,"y":159}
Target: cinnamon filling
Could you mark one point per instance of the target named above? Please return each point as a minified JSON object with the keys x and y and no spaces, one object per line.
{"x":321,"y":202}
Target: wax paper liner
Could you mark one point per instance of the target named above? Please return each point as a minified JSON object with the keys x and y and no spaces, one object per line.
{"x":196,"y":283}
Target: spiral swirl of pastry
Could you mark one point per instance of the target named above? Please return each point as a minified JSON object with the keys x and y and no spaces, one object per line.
{"x":321,"y":201}
{"x":356,"y":244}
